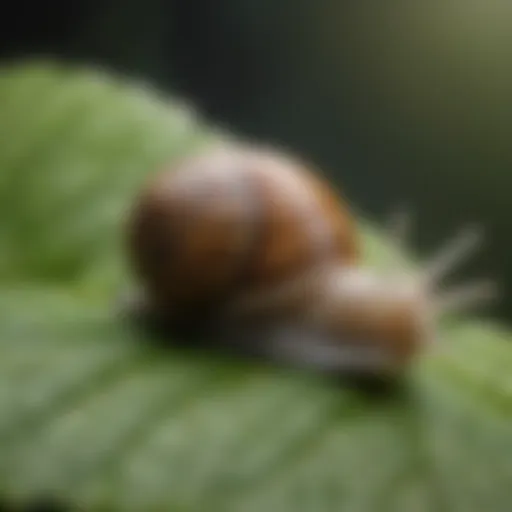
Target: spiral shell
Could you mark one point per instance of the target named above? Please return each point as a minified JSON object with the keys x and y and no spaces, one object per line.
{"x":234,"y":220}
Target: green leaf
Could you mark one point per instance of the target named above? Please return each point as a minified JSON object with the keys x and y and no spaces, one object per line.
{"x":96,"y":417}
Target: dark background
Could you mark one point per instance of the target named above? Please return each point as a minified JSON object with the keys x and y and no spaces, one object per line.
{"x":401,"y":103}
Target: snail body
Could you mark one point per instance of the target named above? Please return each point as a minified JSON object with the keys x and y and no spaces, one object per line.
{"x":257,"y":247}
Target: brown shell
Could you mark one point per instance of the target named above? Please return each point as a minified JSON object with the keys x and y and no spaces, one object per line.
{"x":234,"y":219}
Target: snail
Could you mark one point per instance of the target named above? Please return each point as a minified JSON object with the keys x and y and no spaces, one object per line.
{"x":257,"y":248}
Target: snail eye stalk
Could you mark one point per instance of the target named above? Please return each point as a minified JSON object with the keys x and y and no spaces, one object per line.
{"x":399,"y":228}
{"x":466,"y":297}
{"x":452,"y":255}
{"x":461,"y":298}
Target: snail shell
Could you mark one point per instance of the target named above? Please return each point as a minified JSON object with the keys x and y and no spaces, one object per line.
{"x":233,"y":222}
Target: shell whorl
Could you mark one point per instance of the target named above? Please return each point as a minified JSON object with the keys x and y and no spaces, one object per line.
{"x":234,"y":223}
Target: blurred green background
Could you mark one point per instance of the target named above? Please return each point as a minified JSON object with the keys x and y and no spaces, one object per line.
{"x":402,"y":103}
{"x":397,"y":102}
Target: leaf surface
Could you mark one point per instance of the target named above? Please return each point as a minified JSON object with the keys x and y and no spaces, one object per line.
{"x":97,"y":417}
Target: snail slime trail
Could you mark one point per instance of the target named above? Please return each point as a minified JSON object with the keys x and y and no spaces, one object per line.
{"x":253,"y":246}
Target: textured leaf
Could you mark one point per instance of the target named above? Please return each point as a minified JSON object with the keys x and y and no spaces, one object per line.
{"x":96,"y":417}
